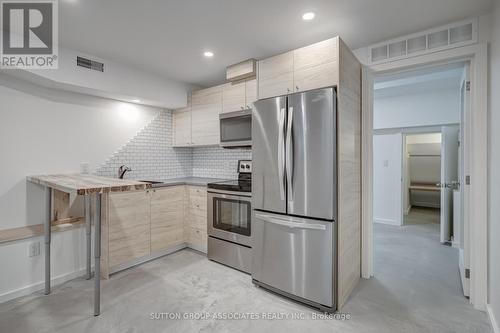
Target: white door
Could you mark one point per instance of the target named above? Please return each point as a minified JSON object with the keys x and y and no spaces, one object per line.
{"x":387,"y":178}
{"x":464,"y":255}
{"x":449,"y":176}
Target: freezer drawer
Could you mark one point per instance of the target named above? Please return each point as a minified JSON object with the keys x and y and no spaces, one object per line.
{"x":295,"y":255}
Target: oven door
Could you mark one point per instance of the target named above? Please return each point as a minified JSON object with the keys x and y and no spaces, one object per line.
{"x":229,"y":216}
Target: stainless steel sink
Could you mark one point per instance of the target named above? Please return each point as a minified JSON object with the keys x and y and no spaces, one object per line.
{"x":153,"y":183}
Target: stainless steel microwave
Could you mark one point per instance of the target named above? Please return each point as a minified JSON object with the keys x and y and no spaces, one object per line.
{"x":236,"y":129}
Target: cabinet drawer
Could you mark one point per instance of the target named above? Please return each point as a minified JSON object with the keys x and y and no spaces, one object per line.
{"x":196,"y":191}
{"x":198,"y":221}
{"x":198,"y":239}
{"x":198,"y":203}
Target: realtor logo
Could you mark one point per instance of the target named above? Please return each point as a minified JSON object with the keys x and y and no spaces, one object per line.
{"x":29,"y":34}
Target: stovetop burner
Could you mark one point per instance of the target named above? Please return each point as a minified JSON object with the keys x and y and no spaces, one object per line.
{"x":232,"y":185}
{"x":242,"y":184}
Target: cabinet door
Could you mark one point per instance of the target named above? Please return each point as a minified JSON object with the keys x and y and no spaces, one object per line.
{"x":182,"y":127}
{"x":316,"y":66}
{"x":167,"y":217}
{"x":197,"y":220}
{"x":206,"y":106}
{"x":233,"y":97}
{"x":129,"y":226}
{"x":250,"y":93}
{"x":276,"y":75}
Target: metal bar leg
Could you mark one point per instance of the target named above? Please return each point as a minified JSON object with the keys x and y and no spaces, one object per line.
{"x":46,"y":227}
{"x":88,"y":230}
{"x":97,"y":256}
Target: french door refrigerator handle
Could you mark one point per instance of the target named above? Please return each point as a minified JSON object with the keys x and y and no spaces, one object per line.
{"x":289,"y":154}
{"x":281,"y":153}
{"x":290,"y":224}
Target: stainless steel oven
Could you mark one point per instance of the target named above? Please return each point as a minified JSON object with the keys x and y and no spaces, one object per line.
{"x":229,"y":220}
{"x":236,"y":129}
{"x":229,"y":215}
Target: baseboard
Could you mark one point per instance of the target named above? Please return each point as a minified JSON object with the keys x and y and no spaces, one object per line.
{"x":197,"y":248}
{"x":386,"y":221}
{"x":494,"y":323}
{"x":407,"y":211}
{"x":29,"y":289}
{"x":426,"y":204}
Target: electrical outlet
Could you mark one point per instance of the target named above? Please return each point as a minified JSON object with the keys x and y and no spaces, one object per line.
{"x":34,"y":249}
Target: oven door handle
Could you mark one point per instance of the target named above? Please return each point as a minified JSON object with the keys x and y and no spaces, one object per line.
{"x":290,"y":224}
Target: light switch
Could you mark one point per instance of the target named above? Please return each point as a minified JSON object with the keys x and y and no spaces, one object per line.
{"x":386,"y":163}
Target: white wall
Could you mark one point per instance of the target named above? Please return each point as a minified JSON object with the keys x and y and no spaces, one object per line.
{"x":494,"y":167}
{"x":417,"y":109}
{"x":387,"y":168}
{"x":47,"y":131}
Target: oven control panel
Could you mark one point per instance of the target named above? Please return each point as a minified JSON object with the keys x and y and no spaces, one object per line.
{"x":245,"y":166}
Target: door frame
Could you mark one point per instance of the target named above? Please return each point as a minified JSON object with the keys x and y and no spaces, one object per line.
{"x":477,"y":56}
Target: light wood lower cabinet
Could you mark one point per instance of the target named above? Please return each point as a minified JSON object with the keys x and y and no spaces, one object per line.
{"x":143,"y":224}
{"x":196,"y":222}
{"x":129,"y":226}
{"x":167,"y":217}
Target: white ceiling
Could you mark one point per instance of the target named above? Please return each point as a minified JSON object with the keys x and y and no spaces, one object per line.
{"x":168,"y":37}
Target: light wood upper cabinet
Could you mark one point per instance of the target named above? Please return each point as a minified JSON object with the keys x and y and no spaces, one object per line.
{"x":237,"y":96}
{"x":233,"y":96}
{"x":181,"y":119}
{"x":205,"y":110}
{"x":250,"y":92}
{"x":316,"y":65}
{"x":198,"y":124}
{"x":310,"y":67}
{"x":275,"y":75}
{"x":167,"y":217}
{"x":129,"y":226}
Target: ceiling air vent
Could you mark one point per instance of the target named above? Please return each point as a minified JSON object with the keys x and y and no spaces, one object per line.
{"x":442,"y":38}
{"x":90,"y":64}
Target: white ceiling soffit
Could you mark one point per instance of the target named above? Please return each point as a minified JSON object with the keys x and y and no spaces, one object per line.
{"x":169,"y":37}
{"x":425,"y":80}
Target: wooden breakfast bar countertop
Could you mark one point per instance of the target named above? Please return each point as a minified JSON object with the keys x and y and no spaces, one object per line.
{"x":83,"y":184}
{"x":92,"y":188}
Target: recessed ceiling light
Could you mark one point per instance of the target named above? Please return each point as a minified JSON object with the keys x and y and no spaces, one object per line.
{"x":308,"y":16}
{"x":136,"y":100}
{"x":208,"y":54}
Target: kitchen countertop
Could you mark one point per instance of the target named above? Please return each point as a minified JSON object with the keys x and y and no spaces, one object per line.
{"x":195,"y":181}
{"x":82,"y":184}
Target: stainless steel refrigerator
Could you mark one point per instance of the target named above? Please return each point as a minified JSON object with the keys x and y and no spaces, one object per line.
{"x":294,"y":196}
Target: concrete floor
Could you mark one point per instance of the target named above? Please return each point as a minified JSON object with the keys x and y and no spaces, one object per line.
{"x":416,"y":289}
{"x":422,"y":215}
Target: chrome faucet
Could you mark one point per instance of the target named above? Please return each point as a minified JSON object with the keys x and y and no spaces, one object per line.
{"x":122,"y":170}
